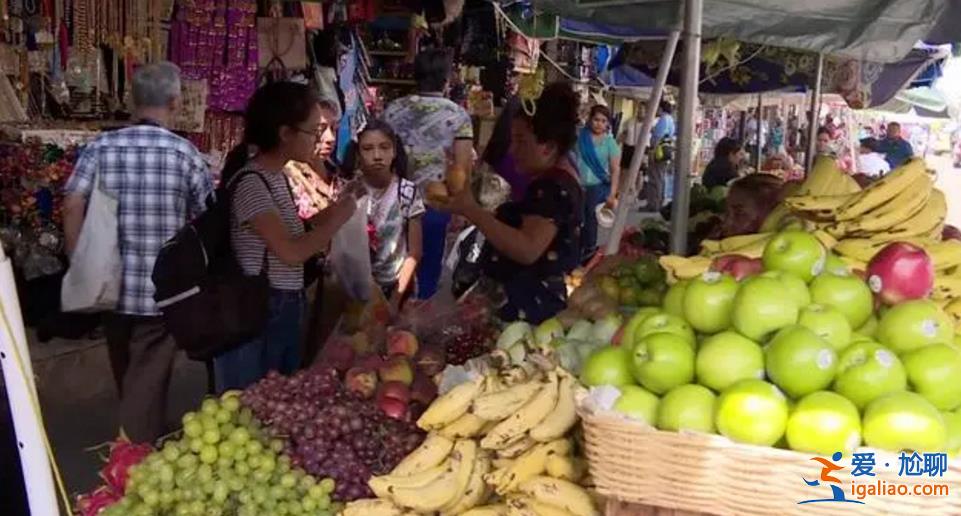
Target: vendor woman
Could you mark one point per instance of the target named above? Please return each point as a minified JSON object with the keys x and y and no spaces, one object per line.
{"x":531,"y":244}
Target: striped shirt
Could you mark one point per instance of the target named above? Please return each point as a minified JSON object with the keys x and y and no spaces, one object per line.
{"x":160,"y":181}
{"x":251,"y":198}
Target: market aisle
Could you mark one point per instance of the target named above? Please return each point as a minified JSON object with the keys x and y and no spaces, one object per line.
{"x":949,"y":181}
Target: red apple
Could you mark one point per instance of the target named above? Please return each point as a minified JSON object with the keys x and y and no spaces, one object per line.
{"x":431,"y":360}
{"x":400,"y":342}
{"x":372,"y":362}
{"x":338,"y":353}
{"x":361,"y":381}
{"x":901,"y":272}
{"x":396,"y":369}
{"x":737,"y":265}
{"x":393,"y":408}
{"x":394,"y":390}
{"x":950,"y":233}
{"x":423,"y":389}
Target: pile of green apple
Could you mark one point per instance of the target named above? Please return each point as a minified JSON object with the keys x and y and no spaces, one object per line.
{"x":637,"y":284}
{"x":796,"y":356}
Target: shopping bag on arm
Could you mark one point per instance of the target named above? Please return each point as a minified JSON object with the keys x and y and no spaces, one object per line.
{"x":92,"y":283}
{"x":350,"y":254}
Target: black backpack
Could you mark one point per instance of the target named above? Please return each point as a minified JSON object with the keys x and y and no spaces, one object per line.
{"x":208,"y":304}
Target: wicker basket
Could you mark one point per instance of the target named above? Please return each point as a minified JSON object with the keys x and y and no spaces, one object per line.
{"x":696,"y":472}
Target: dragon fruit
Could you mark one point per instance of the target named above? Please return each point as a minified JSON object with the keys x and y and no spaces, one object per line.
{"x":91,"y":504}
{"x":123,"y":455}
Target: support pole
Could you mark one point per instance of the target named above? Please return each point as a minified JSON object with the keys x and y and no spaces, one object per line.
{"x":629,"y":181}
{"x":760,"y":128}
{"x":693,"y":10}
{"x":815,"y":114}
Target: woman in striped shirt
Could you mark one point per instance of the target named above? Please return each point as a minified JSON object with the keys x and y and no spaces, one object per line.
{"x":268,"y":237}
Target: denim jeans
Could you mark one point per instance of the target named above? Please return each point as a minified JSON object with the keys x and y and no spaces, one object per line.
{"x":277,"y":348}
{"x":593,"y":195}
{"x":431,"y":264}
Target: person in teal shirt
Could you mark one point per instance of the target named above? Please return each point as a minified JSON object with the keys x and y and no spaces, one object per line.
{"x":599,"y":165}
{"x":896,"y":149}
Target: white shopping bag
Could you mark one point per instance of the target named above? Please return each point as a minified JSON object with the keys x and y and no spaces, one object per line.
{"x":92,"y":283}
{"x":350,"y":254}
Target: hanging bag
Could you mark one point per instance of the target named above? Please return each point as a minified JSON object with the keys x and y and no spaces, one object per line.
{"x":92,"y":283}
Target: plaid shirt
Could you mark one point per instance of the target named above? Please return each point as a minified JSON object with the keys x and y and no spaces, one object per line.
{"x":160,"y":181}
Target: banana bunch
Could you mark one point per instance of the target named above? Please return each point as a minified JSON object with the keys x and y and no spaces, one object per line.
{"x":684,"y":267}
{"x":503,"y":434}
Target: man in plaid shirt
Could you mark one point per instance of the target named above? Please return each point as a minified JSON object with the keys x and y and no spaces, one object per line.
{"x":160,"y":181}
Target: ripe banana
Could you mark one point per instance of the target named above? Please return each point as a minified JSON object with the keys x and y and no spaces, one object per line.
{"x":773,"y":221}
{"x":826,"y":239}
{"x":861,"y":249}
{"x":820,"y":206}
{"x":477,"y":490}
{"x":953,"y":309}
{"x":468,"y":425}
{"x":501,"y":404}
{"x":430,"y":453}
{"x":384,"y":484}
{"x":946,"y":287}
{"x":565,"y":467}
{"x":527,"y":506}
{"x":527,"y":466}
{"x":563,"y":417}
{"x":450,"y":406}
{"x":735,"y":242}
{"x":945,"y":254}
{"x":517,"y":448}
{"x":533,"y":412}
{"x":681,"y":267}
{"x":498,"y":509}
{"x":560,"y":493}
{"x":882,"y":190}
{"x":930,"y":219}
{"x":372,"y":507}
{"x":447,"y":488}
{"x":902,"y":207}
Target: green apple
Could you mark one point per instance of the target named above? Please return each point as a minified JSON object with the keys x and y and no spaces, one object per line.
{"x":800,"y":362}
{"x":708,"y":302}
{"x":726,"y":358}
{"x":794,"y":287}
{"x":752,"y":412}
{"x":904,"y":421}
{"x":867,"y":371}
{"x":952,"y":422}
{"x":849,"y":294}
{"x":935,"y":372}
{"x":833,"y":264}
{"x":687,"y":407}
{"x":828,"y":323}
{"x":869,"y":328}
{"x":674,"y":299}
{"x":824,"y":422}
{"x":665,"y":323}
{"x":796,"y":252}
{"x":761,"y":308}
{"x":548,"y":331}
{"x":638,"y":403}
{"x":914,"y":324}
{"x":608,"y":365}
{"x":630,"y":329}
{"x":663,"y":361}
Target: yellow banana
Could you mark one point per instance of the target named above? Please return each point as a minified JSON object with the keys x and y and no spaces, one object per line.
{"x":710,"y":246}
{"x":527,"y":466}
{"x":447,"y":488}
{"x":560,"y":493}
{"x":946,"y":287}
{"x":430,"y":453}
{"x":519,"y":423}
{"x":882,"y":190}
{"x":853,"y":263}
{"x":477,"y":490}
{"x":945,"y":254}
{"x":953,"y":309}
{"x":565,"y":467}
{"x":517,"y":448}
{"x":468,"y":425}
{"x":826,"y":239}
{"x":681,"y":267}
{"x":382,"y":485}
{"x":501,"y":404}
{"x":773,"y":220}
{"x":527,"y":506}
{"x":818,"y":205}
{"x":564,"y":416}
{"x":902,"y":207}
{"x":926,"y":222}
{"x":861,"y":249}
{"x":372,"y":507}
{"x":846,"y":184}
{"x":823,"y":178}
{"x":739,"y":241}
{"x":498,"y":509}
{"x":450,"y":406}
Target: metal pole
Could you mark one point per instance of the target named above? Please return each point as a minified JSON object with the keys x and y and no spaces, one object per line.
{"x":693,"y":10}
{"x":760,"y":127}
{"x":815,"y":114}
{"x":629,"y":182}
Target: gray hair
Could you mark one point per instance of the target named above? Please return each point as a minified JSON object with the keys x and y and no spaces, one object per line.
{"x":156,"y":84}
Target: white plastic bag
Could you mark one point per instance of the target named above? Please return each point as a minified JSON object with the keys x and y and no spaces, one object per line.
{"x":350,"y":254}
{"x":92,"y":283}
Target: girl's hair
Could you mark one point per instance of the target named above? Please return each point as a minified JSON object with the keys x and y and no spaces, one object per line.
{"x":399,"y":165}
{"x":823,"y":130}
{"x":272,"y":106}
{"x":555,"y":118}
{"x":600,"y":109}
{"x":726,"y":146}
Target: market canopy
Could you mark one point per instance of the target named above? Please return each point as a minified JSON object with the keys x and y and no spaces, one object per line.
{"x":924,"y":102}
{"x":868,"y":30}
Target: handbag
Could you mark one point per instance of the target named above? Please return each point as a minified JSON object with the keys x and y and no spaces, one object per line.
{"x":282,"y":41}
{"x":92,"y":283}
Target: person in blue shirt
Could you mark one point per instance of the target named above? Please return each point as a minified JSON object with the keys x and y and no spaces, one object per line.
{"x":662,"y":141}
{"x":896,"y":149}
{"x":599,"y":165}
